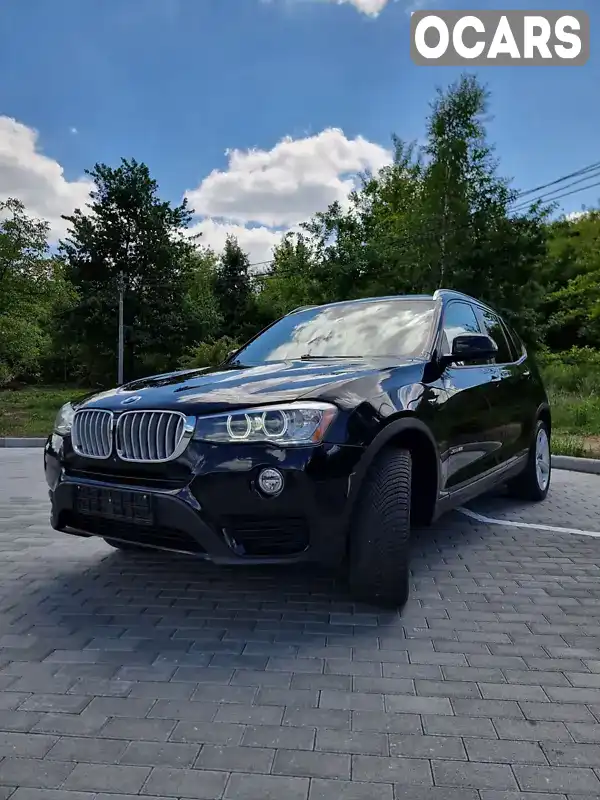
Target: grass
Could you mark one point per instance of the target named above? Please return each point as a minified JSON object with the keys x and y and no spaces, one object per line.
{"x":31,"y":411}
{"x":574,"y":391}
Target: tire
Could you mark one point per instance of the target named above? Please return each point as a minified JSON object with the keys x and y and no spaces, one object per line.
{"x":379,"y":559}
{"x":534,"y":482}
{"x":126,"y":547}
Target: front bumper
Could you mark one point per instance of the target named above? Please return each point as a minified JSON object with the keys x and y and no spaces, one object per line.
{"x":217,"y":512}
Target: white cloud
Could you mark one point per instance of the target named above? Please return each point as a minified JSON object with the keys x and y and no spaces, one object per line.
{"x":258,"y":196}
{"x":574,"y":216}
{"x":258,"y":242}
{"x":370,"y":7}
{"x":277,"y":189}
{"x":284,"y":186}
{"x":36,"y":179}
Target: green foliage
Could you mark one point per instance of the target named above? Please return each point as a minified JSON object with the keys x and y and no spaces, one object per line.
{"x":131,"y":233}
{"x":566,"y":444}
{"x":439,"y":215}
{"x":201,"y":297}
{"x":31,"y":411}
{"x":572,"y":275}
{"x":233,"y":290}
{"x":31,"y":285}
{"x":209,"y":354}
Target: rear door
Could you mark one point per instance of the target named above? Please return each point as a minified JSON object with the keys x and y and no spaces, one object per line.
{"x":512,"y":399}
{"x":470,"y":436}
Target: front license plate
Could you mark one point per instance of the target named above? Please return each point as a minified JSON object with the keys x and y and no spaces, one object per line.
{"x":122,"y":506}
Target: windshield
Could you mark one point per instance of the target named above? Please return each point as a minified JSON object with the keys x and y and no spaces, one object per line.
{"x":398,"y":328}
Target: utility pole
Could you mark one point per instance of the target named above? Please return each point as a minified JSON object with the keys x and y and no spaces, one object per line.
{"x":121,"y":285}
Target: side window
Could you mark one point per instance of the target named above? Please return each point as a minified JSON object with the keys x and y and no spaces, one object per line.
{"x":493,"y":327}
{"x":517,"y":344}
{"x":458,"y":318}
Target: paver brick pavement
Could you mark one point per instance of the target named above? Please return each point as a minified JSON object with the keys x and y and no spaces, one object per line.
{"x":151,"y":676}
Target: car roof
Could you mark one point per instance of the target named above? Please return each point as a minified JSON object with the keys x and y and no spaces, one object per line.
{"x":443,"y":295}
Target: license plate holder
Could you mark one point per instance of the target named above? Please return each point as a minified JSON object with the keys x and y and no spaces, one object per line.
{"x":119,"y":505}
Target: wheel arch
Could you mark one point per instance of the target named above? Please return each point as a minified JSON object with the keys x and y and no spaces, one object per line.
{"x":543,"y":412}
{"x":413,"y":434}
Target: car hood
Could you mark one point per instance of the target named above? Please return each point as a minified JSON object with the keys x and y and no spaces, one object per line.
{"x":217,"y":389}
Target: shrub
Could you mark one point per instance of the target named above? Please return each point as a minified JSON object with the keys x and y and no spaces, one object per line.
{"x":208,"y":354}
{"x":574,"y":371}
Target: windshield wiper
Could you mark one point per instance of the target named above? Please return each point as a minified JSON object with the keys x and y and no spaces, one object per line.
{"x":309,"y":357}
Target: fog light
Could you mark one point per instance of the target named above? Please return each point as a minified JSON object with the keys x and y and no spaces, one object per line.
{"x":270,"y":481}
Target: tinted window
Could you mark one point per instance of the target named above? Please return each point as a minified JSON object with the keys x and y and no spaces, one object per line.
{"x":493,"y":327}
{"x":458,"y":318}
{"x":517,"y":345}
{"x":374,"y":328}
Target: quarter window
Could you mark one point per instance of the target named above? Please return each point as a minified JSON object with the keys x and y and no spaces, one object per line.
{"x":518,"y":347}
{"x":493,"y":327}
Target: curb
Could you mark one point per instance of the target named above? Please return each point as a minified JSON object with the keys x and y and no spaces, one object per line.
{"x":9,"y":441}
{"x":572,"y":464}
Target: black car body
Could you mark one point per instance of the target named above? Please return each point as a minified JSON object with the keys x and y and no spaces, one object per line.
{"x":394,"y":409}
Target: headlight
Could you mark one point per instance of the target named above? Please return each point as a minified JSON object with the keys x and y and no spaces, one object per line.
{"x":292,"y":424}
{"x":64,"y":419}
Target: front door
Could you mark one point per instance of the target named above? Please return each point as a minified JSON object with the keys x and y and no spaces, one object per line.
{"x":470,"y":430}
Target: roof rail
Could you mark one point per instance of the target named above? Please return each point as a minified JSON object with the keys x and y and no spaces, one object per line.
{"x":441,"y":293}
{"x":302,"y":308}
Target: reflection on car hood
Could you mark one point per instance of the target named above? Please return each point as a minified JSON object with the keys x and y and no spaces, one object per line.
{"x":222,"y":388}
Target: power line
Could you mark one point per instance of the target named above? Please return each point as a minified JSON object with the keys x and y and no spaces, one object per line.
{"x":582,"y":171}
{"x":517,"y":203}
{"x":548,"y":195}
{"x":551,"y":197}
{"x":576,"y":191}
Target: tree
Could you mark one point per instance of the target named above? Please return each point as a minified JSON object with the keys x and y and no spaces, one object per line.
{"x":436,"y":217}
{"x":233,"y":290}
{"x":27,"y":281}
{"x":572,"y":272}
{"x":292,"y":280}
{"x":23,"y":245}
{"x":475,"y":243}
{"x":201,"y":295}
{"x":129,"y":231}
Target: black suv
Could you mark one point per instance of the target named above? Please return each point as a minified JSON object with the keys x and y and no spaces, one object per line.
{"x":325,"y":438}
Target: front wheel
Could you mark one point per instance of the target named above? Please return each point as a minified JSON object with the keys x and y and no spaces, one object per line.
{"x":380,"y":533}
{"x":534,"y":482}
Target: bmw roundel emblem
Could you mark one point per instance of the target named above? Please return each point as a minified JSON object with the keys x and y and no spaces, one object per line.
{"x":129,"y":401}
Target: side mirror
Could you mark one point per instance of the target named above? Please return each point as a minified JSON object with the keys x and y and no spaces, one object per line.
{"x":471,"y":347}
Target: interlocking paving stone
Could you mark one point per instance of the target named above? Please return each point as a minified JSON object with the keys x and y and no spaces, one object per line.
{"x":349,"y":790}
{"x":152,"y":676}
{"x":559,"y":779}
{"x":37,"y":774}
{"x":188,"y":783}
{"x":266,"y":787}
{"x":474,"y":775}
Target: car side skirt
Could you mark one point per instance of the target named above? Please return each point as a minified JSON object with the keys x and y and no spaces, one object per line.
{"x":485,"y":483}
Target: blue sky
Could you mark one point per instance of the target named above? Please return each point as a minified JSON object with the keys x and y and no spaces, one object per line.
{"x":177,"y":83}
